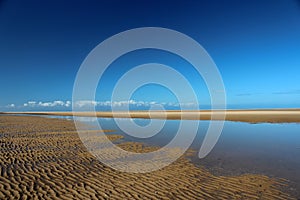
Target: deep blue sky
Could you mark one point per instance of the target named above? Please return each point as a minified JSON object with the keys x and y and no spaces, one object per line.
{"x":255,"y":44}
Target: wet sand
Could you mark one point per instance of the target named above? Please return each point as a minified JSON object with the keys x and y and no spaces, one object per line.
{"x":251,"y":116}
{"x":44,"y":158}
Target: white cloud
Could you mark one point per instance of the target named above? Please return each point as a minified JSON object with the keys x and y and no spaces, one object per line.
{"x":47,"y":104}
{"x":31,"y":103}
{"x":84,"y":103}
{"x":11,"y":105}
{"x":68,"y":103}
{"x":52,"y":104}
{"x":115,"y":104}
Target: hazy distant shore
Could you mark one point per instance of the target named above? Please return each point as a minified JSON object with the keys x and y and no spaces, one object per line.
{"x":251,"y":116}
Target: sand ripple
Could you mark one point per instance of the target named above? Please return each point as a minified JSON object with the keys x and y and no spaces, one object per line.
{"x":45,"y":159}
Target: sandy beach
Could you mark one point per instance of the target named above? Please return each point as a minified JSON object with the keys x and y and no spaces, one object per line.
{"x":251,"y":116}
{"x":44,"y":158}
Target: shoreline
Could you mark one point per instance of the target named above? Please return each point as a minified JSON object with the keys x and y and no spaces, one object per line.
{"x":250,"y":116}
{"x":49,"y":153}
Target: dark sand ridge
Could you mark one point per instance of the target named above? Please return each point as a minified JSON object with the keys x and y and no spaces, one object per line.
{"x":251,"y":116}
{"x":44,"y":158}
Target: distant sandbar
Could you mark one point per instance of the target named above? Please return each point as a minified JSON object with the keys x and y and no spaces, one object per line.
{"x":251,"y":116}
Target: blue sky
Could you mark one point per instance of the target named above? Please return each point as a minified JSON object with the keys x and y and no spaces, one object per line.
{"x":255,"y":44}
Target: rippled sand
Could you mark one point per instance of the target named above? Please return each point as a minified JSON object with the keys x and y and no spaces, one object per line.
{"x":45,"y":159}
